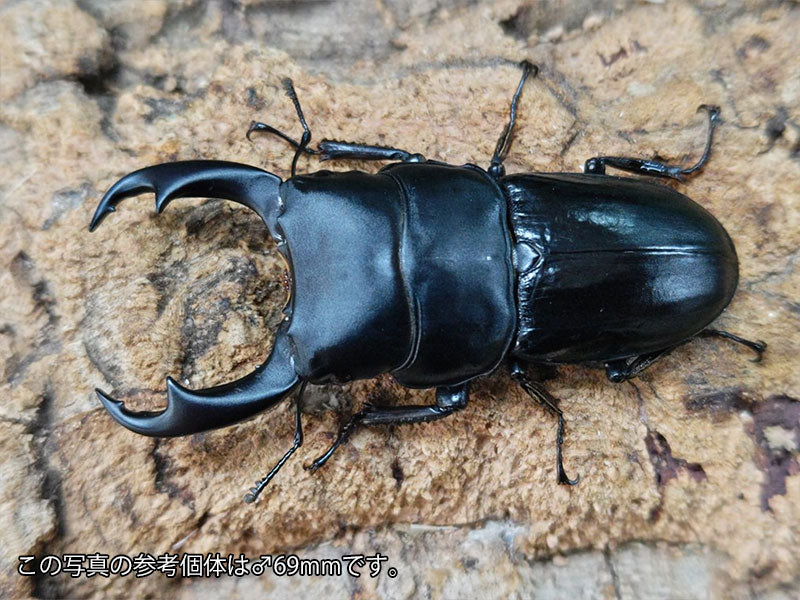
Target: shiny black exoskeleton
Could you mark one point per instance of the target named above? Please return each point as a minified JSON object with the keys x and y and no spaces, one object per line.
{"x":437,"y":274}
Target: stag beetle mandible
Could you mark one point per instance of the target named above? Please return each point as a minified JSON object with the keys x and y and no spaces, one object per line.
{"x":438,"y":273}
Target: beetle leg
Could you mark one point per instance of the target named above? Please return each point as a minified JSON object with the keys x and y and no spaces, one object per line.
{"x":258,"y":126}
{"x":449,"y":399}
{"x":301,"y":146}
{"x":598,"y":164}
{"x":623,"y":369}
{"x":496,"y":168}
{"x":336,"y":150}
{"x":333,"y":149}
{"x":254,"y":492}
{"x":330,"y":149}
{"x":536,"y":391}
{"x":758,"y":347}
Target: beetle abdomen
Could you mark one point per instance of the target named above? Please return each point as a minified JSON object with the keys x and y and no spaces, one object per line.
{"x":617,"y":267}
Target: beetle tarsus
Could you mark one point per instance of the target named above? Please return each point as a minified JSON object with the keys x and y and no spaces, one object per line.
{"x":713,"y":112}
{"x":255,"y":491}
{"x":542,"y":397}
{"x":759,"y":347}
{"x":257,"y":126}
{"x":288,"y":87}
{"x":564,"y":480}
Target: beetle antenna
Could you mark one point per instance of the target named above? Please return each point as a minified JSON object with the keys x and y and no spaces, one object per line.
{"x":255,"y":492}
{"x":496,"y":169}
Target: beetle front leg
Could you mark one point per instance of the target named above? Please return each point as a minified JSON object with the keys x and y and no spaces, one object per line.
{"x":336,"y":150}
{"x":333,"y":149}
{"x":536,"y":391}
{"x":449,"y":399}
{"x":330,"y":149}
{"x":598,"y":164}
{"x":254,"y":492}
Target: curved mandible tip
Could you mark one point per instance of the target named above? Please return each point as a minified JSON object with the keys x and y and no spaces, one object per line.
{"x":191,"y":411}
{"x":253,"y":187}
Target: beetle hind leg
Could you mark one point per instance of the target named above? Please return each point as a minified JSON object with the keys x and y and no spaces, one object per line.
{"x":597,"y":165}
{"x":448,"y":400}
{"x":758,"y":347}
{"x":624,"y":369}
{"x":542,"y":397}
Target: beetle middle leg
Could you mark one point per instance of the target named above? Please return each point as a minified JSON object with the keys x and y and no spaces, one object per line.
{"x":598,"y":164}
{"x":254,"y":492}
{"x":496,"y":168}
{"x":448,"y":400}
{"x":536,"y":391}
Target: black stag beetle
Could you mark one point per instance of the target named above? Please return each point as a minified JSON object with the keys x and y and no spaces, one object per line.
{"x":437,"y":274}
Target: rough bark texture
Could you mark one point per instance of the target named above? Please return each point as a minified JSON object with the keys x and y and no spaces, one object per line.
{"x":690,"y":483}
